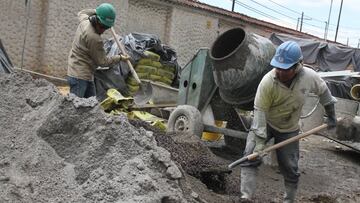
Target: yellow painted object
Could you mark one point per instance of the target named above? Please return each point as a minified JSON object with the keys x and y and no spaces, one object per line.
{"x":115,"y":99}
{"x":64,"y":90}
{"x":117,"y":104}
{"x":145,"y":116}
{"x":213,"y":136}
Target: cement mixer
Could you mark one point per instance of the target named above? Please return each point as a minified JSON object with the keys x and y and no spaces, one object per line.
{"x":217,"y":83}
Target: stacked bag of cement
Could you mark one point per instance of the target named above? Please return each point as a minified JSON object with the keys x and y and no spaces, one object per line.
{"x":152,"y":61}
{"x":150,"y":68}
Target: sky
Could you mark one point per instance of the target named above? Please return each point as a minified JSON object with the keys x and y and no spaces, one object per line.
{"x":316,"y":13}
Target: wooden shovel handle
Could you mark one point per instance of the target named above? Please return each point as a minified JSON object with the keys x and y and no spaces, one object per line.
{"x":278,"y":145}
{"x":122,"y":49}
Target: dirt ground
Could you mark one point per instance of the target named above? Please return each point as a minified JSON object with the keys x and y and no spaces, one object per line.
{"x":329,"y":172}
{"x":65,"y":149}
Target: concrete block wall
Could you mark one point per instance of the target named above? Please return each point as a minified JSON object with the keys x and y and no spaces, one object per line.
{"x":148,"y":17}
{"x":189,"y":31}
{"x":53,"y":23}
{"x":61,"y":25}
{"x":13,"y":17}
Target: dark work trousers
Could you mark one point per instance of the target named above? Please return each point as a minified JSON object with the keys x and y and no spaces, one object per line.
{"x":287,"y":156}
{"x":81,"y":88}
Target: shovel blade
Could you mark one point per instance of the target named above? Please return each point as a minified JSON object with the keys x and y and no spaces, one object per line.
{"x":144,"y":94}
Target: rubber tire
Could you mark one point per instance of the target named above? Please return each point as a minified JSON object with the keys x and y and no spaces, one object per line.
{"x":190,"y":117}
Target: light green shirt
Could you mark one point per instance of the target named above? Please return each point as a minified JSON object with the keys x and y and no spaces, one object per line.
{"x":282,"y":105}
{"x":87,"y":51}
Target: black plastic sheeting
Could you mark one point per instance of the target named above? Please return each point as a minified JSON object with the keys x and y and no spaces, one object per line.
{"x":329,"y":57}
{"x":340,"y":86}
{"x":135,"y":45}
{"x":5,"y":63}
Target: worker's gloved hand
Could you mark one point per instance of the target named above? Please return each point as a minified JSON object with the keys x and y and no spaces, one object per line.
{"x":124,"y":57}
{"x":259,"y":143}
{"x":249,"y":149}
{"x":330,"y":112}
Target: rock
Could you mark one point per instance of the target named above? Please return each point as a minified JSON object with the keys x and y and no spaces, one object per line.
{"x":174,"y":172}
{"x":194,"y":195}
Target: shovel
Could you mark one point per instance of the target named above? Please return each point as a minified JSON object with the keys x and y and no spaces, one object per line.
{"x":278,"y":145}
{"x":144,"y":94}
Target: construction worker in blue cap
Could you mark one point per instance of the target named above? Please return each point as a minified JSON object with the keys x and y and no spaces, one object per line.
{"x":87,"y":51}
{"x":278,"y":102}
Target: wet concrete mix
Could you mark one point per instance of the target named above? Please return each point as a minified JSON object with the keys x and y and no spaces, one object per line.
{"x":66,"y":149}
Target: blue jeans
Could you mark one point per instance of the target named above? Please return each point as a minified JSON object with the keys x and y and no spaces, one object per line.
{"x":81,"y":88}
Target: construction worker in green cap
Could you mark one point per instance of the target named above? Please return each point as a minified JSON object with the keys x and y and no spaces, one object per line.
{"x":87,"y":51}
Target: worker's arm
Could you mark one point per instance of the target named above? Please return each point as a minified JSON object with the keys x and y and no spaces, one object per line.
{"x":84,"y":14}
{"x":258,"y":127}
{"x":97,"y":52}
{"x":262,"y":104}
{"x":327,"y":100}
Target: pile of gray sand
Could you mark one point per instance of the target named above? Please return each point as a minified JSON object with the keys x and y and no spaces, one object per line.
{"x":66,"y":149}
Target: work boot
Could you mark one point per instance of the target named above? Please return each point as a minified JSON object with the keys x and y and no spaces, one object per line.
{"x":248,"y":182}
{"x":290,"y":192}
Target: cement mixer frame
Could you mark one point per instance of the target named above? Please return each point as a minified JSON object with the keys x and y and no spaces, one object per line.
{"x":199,"y":105}
{"x":219,"y":81}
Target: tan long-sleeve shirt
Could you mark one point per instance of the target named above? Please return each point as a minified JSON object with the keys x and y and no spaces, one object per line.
{"x":87,"y":51}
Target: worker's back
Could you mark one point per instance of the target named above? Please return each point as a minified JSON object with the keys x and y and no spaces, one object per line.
{"x":81,"y":63}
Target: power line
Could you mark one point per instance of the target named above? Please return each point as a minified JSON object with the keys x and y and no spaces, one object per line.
{"x":265,"y":14}
{"x":285,"y":7}
{"x":271,"y":16}
{"x":273,"y":10}
{"x":315,"y":19}
{"x":290,"y":17}
{"x":296,"y":11}
{"x":256,"y":11}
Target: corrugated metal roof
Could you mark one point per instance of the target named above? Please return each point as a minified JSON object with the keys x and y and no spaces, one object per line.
{"x":242,"y":17}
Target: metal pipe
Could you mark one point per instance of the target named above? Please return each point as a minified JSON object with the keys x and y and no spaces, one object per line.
{"x":28,"y":7}
{"x":226,"y":131}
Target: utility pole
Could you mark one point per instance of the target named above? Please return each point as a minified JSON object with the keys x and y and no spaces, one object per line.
{"x":328,"y":22}
{"x":358,"y":44}
{"x":347,"y":42}
{"x":302,"y":19}
{"x":337,"y":27}
{"x":233,"y":6}
{"x":326,"y":26}
{"x":297,"y":24}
